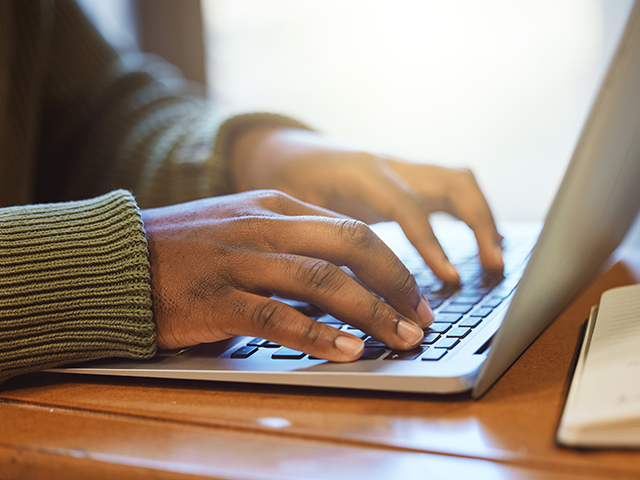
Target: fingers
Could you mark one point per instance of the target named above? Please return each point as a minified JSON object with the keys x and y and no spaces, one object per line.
{"x":278,"y":322}
{"x":352,"y":243}
{"x":472,"y":208}
{"x":420,"y":234}
{"x":327,"y":286}
{"x":403,"y":204}
{"x":213,"y":263}
{"x":306,"y":230}
{"x":284,"y":204}
{"x":454,"y":191}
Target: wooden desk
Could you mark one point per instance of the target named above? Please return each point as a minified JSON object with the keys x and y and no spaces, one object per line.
{"x":58,"y":426}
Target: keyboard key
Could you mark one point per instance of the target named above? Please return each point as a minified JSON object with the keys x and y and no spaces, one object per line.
{"x":373,"y":342}
{"x":471,"y":322}
{"x":434,"y":354}
{"x":288,"y":354}
{"x":256,"y":342}
{"x":477,"y":290}
{"x":493,"y":302}
{"x":310,"y":310}
{"x":445,"y":292}
{"x":426,"y":291}
{"x":371,"y":353}
{"x":447,"y":317}
{"x":329,"y":320}
{"x":244,"y":352}
{"x":354,"y":331}
{"x":405,"y":355}
{"x":481,"y":312}
{"x":460,"y":308}
{"x":467,"y":298}
{"x":483,"y":289}
{"x":469,"y":272}
{"x":503,"y":290}
{"x":430,"y":338}
{"x":270,"y":345}
{"x":435,"y":303}
{"x":305,"y":308}
{"x":438,"y":328}
{"x":423,"y":277}
{"x":459,"y":332}
{"x":491,"y":280}
{"x":448,"y":343}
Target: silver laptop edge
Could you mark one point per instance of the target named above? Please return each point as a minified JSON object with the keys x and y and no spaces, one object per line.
{"x":593,"y":209}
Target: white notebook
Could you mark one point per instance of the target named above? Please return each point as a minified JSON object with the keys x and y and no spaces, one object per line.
{"x":603,"y":405}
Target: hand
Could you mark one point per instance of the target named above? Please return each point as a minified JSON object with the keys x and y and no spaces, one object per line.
{"x":215,"y":262}
{"x":371,"y":188}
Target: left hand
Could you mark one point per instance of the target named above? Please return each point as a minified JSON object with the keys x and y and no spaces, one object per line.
{"x":215,"y":263}
{"x":370,"y":188}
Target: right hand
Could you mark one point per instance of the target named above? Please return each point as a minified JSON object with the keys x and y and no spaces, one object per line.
{"x":215,"y":263}
{"x":371,"y":188}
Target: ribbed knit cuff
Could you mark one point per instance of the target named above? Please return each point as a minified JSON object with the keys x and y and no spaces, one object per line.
{"x":74,"y":284}
{"x":226,"y":137}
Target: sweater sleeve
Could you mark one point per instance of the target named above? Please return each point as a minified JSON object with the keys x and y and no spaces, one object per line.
{"x":130,"y":121}
{"x":74,"y":284}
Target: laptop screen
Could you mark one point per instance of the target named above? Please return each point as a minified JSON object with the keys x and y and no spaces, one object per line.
{"x":592,"y":211}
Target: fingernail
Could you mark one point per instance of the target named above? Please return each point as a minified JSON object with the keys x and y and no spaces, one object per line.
{"x":409,"y":332}
{"x":349,"y":346}
{"x":425,"y":314}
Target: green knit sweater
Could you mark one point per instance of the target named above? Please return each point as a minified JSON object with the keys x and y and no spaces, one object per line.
{"x":78,"y":121}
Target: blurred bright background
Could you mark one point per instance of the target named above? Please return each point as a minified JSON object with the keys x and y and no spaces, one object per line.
{"x":502,"y":87}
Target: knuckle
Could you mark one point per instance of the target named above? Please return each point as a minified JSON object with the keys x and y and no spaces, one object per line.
{"x":266,"y":316}
{"x":274,"y":199}
{"x":377,"y":312}
{"x":245,"y":224}
{"x":406,"y":285}
{"x":412,"y":203}
{"x":381,"y":315}
{"x":466,"y":176}
{"x":318,"y":274}
{"x":312,"y":333}
{"x":356,"y":233}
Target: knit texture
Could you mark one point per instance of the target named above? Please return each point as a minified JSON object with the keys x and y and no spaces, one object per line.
{"x":74,"y":284}
{"x":79,"y":120}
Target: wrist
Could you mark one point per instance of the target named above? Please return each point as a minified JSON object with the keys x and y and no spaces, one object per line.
{"x":252,"y":150}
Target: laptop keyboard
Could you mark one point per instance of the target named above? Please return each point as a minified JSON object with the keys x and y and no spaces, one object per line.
{"x":459,"y":310}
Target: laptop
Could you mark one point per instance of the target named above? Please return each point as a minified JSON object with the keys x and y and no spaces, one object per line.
{"x":483,"y":326}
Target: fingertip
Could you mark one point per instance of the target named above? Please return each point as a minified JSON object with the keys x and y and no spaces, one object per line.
{"x":451,"y":275}
{"x":497,"y":257}
{"x":409,"y":332}
{"x":490,"y":251}
{"x":492,"y":260}
{"x":349,"y":346}
{"x":425,"y":313}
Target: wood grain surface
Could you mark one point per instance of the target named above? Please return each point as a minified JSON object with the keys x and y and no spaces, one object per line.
{"x":65,"y":426}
